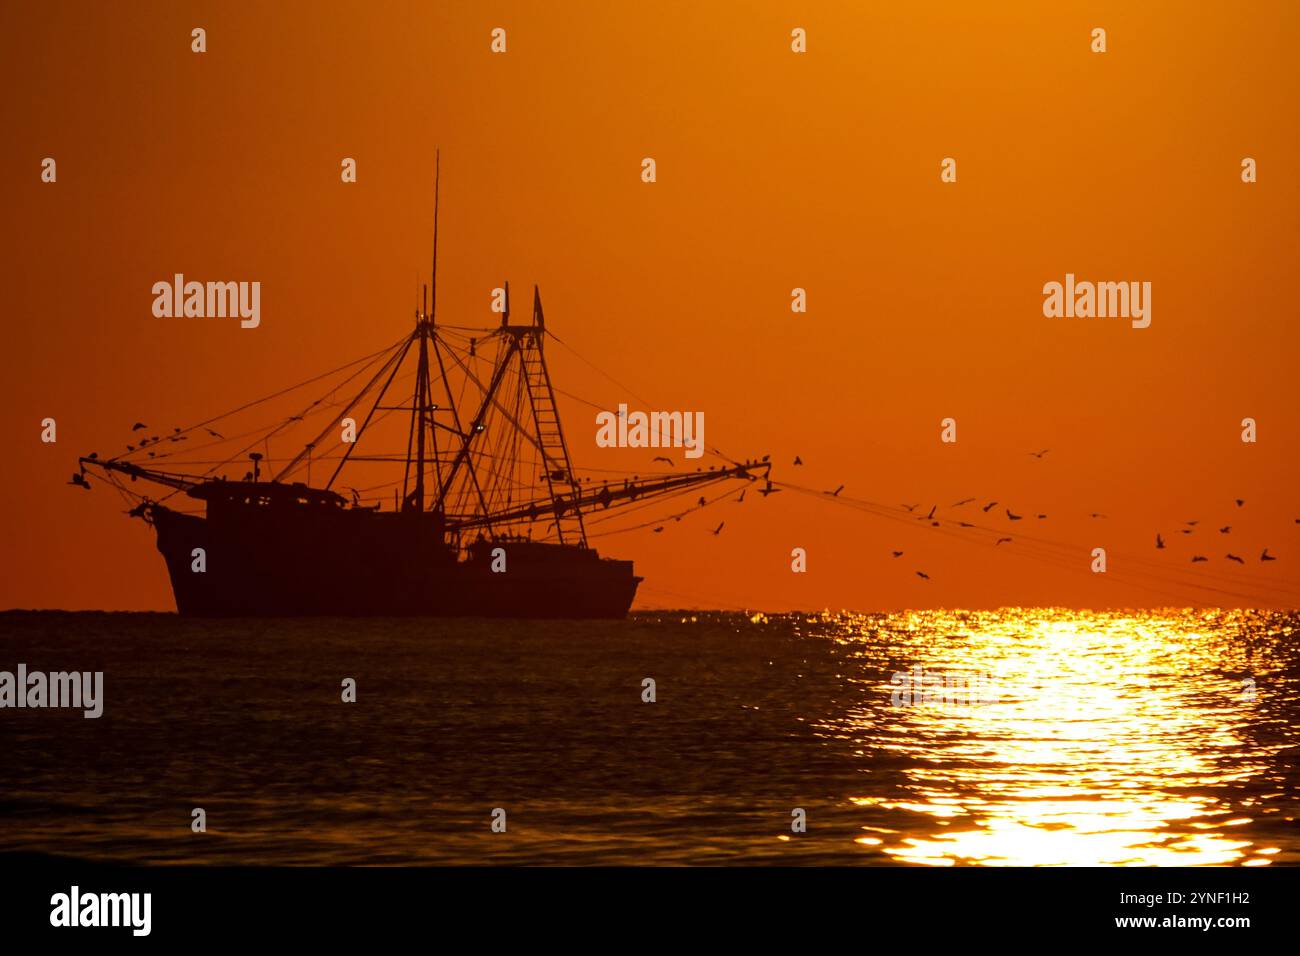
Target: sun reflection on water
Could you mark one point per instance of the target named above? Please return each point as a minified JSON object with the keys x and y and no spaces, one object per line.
{"x":1109,"y":738}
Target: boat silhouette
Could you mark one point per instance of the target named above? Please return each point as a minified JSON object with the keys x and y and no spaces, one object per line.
{"x":490,"y":520}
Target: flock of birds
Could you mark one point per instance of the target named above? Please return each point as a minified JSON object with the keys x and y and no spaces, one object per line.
{"x":1191,"y":526}
{"x":79,"y":479}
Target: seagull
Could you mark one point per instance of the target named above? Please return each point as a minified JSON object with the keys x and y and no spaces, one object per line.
{"x":911,"y":507}
{"x":1240,"y":502}
{"x":897,"y":554}
{"x":663,"y":458}
{"x":1191,"y":524}
{"x":1013,"y":517}
{"x":658,"y":529}
{"x":1040,"y":517}
{"x":835,"y":493}
{"x":931,"y":514}
{"x":1001,"y":541}
{"x":742,"y":495}
{"x":1233,"y":557}
{"x":964,"y":501}
{"x":1225,"y":529}
{"x":922,"y":574}
{"x":988,"y":506}
{"x":1265,"y":556}
{"x":1040,"y":454}
{"x":1184,"y":530}
{"x":718,"y":529}
{"x":798,"y":460}
{"x":965,"y":524}
{"x":1197,"y":557}
{"x":1160,"y":542}
{"x":138,"y":425}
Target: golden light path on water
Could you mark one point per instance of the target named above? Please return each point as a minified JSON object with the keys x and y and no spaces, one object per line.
{"x":1083,"y":739}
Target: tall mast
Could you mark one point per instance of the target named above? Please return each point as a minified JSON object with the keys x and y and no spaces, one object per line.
{"x":421,"y":413}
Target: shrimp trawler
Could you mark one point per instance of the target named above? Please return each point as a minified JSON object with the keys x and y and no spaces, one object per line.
{"x":488,"y":517}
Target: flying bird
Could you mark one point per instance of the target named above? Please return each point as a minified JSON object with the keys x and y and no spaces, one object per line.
{"x":1184,"y":530}
{"x":988,"y":506}
{"x":835,"y":493}
{"x":701,"y":502}
{"x":1197,"y":557}
{"x":965,"y":524}
{"x":1240,"y":502}
{"x":718,"y":529}
{"x":1096,"y":515}
{"x":1265,"y":556}
{"x":742,"y":495}
{"x":1040,"y":454}
{"x":911,"y":507}
{"x":897,"y":554}
{"x":214,"y":434}
{"x":1001,"y":541}
{"x":1191,"y":524}
{"x":1233,"y":557}
{"x":798,"y":460}
{"x":1013,"y":517}
{"x":663,"y":458}
{"x":658,"y":529}
{"x":138,"y":425}
{"x":1040,"y":517}
{"x":1225,"y":529}
{"x":922,"y":574}
{"x":931,"y":514}
{"x":1160,"y":542}
{"x":964,"y":501}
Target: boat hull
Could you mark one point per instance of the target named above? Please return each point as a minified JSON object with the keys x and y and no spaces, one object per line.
{"x":351,"y":563}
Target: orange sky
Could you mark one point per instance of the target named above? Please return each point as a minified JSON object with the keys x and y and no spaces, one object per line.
{"x":775,"y":170}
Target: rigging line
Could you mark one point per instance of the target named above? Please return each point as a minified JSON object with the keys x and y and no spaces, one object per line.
{"x":399,"y":356}
{"x":367,"y":360}
{"x":711,"y":448}
{"x":291,"y":388}
{"x":655,"y":501}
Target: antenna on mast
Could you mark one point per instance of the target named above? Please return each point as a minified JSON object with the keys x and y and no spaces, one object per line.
{"x":437,"y":175}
